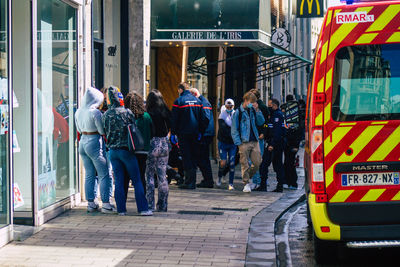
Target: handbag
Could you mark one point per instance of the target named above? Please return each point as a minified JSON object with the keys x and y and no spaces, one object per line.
{"x":135,"y":138}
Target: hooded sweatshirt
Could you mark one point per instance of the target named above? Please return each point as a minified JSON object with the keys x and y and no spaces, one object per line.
{"x":225,"y":123}
{"x":116,"y":119}
{"x":88,"y":117}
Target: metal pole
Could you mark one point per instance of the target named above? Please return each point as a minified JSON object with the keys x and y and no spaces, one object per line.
{"x":185,"y":54}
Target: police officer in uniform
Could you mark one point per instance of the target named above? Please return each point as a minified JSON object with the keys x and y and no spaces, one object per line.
{"x":274,"y":150}
{"x":188,"y":125}
{"x":293,"y":138}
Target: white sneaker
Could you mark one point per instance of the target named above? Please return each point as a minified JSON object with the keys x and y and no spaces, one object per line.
{"x":108,"y":208}
{"x":218,"y":182}
{"x":146,"y":213}
{"x":285,"y":186}
{"x":247,"y":188}
{"x":252,"y":185}
{"x":91,"y":207}
{"x":122,"y":214}
{"x":230,"y":187}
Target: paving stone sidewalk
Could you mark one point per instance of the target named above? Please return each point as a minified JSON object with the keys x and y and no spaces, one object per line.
{"x":179,"y":237}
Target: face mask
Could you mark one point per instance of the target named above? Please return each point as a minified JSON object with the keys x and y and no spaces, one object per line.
{"x":229,"y":111}
{"x":250,"y":105}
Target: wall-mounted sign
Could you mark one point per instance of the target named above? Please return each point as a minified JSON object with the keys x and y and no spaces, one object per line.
{"x":281,"y":37}
{"x":112,"y":50}
{"x":195,"y":35}
{"x":56,"y":35}
{"x":310,"y":8}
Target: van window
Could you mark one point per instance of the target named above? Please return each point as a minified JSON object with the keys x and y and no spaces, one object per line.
{"x":366,"y":83}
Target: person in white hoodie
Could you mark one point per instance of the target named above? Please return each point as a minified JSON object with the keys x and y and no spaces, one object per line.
{"x":88,"y":119}
{"x":226,"y":147}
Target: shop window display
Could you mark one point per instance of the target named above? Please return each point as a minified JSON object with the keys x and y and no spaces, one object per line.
{"x":4,"y":118}
{"x":56,"y":101}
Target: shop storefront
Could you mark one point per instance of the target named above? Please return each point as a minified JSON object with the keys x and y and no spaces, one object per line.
{"x":40,"y":77}
{"x":199,"y":37}
{"x":5,"y":188}
{"x":45,"y":88}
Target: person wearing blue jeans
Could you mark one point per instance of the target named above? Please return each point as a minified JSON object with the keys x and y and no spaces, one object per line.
{"x":123,"y":162}
{"x":226,"y":147}
{"x":91,"y":149}
{"x":91,"y":152}
{"x":227,"y":153}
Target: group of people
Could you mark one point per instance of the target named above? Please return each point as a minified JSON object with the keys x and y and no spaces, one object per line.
{"x":102,"y":123}
{"x":103,"y":147}
{"x":262,"y":135}
{"x":248,"y":129}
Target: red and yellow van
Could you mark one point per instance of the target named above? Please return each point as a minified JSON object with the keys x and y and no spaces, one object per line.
{"x":352,"y":156}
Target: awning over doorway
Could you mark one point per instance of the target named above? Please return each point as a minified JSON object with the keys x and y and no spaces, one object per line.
{"x":275,"y":61}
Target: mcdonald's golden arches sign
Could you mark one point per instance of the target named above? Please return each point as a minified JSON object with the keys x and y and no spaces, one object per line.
{"x":310,"y":8}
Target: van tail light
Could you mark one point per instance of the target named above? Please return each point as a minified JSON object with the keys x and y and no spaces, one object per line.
{"x":317,"y":160}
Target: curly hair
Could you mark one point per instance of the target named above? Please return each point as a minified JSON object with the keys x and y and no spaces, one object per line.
{"x":135,"y":103}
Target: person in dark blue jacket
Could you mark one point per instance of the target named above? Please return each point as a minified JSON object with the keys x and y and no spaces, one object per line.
{"x":203,"y":154}
{"x":188,"y":126}
{"x":275,"y":139}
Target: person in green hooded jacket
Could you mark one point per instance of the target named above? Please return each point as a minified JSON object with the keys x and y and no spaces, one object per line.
{"x":135,"y":103}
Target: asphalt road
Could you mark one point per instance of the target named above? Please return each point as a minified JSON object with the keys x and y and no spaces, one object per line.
{"x":302,"y":251}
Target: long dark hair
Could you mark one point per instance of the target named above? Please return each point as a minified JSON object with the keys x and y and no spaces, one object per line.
{"x":155,"y":103}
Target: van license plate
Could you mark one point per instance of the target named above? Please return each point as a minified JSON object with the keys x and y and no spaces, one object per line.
{"x":381,"y":178}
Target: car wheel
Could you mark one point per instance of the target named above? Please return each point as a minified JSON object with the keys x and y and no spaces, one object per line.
{"x":325,"y":251}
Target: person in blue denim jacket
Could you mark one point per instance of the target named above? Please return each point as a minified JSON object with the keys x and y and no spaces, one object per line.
{"x":245,"y":136}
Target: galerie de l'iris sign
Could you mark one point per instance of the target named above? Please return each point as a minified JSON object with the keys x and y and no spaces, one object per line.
{"x":206,"y":35}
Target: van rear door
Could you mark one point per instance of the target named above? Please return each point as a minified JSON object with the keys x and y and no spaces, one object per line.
{"x":361,"y":116}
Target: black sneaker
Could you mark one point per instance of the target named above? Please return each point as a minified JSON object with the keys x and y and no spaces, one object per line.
{"x":278,"y":190}
{"x":186,"y":186}
{"x":202,"y":184}
{"x":261,"y":189}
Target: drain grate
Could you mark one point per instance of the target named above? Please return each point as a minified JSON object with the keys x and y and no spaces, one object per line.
{"x":230,"y":209}
{"x":199,"y":212}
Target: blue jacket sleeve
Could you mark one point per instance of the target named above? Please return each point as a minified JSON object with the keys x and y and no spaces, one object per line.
{"x":204,"y":119}
{"x":175,"y":117}
{"x":208,"y":112}
{"x":259,"y":118}
{"x":235,"y":129}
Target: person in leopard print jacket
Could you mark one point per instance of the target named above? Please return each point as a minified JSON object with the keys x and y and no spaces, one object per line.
{"x":157,"y":159}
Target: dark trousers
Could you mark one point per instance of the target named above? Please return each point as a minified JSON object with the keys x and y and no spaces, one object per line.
{"x":142,"y":158}
{"x":189,"y":145}
{"x":290,"y":167}
{"x":203,"y":159}
{"x":274,"y":156}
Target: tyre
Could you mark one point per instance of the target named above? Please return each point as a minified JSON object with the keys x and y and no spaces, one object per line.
{"x":325,"y":251}
{"x":309,"y":221}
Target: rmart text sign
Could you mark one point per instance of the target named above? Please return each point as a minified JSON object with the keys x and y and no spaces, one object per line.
{"x":353,"y":17}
